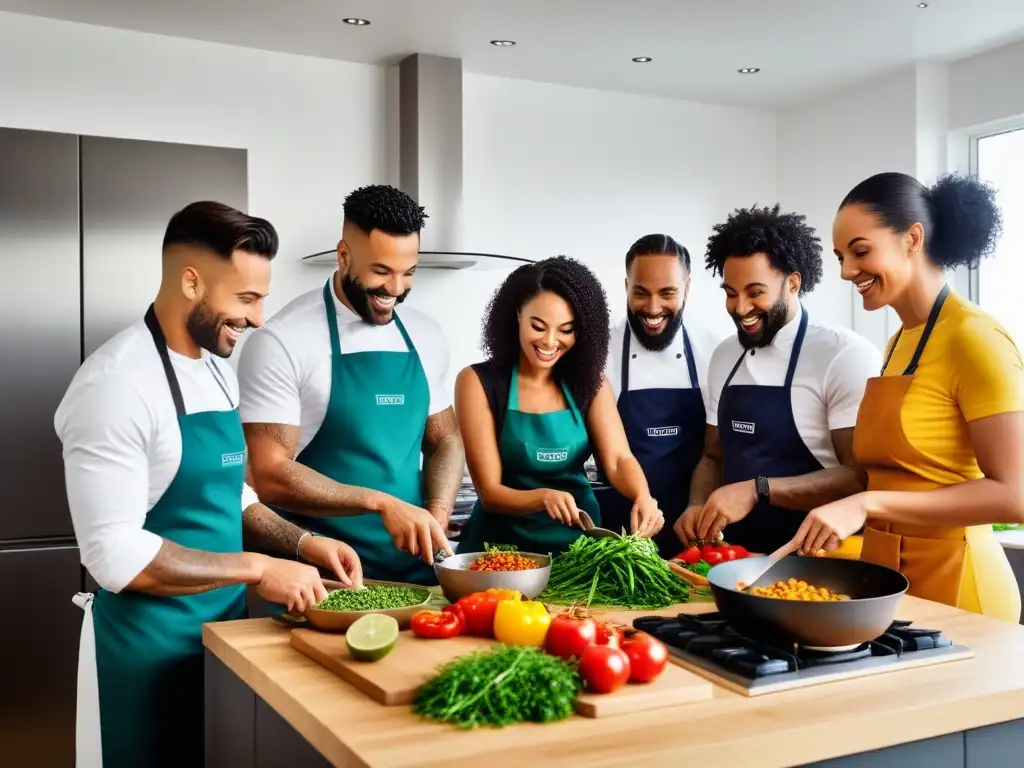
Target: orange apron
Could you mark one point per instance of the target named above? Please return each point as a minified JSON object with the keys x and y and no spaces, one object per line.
{"x":964,"y":567}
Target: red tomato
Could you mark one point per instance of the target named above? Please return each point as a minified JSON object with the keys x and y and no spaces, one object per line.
{"x":479,"y":609}
{"x":714,"y":557}
{"x":456,"y":609}
{"x":604,"y":668}
{"x":690,"y":556}
{"x":435,"y":624}
{"x":705,"y":550}
{"x":647,"y":657}
{"x":569,"y":635}
{"x":608,"y":634}
{"x":728,"y":552}
{"x":741,"y":552}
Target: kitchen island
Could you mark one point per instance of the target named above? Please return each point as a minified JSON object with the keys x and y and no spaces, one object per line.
{"x":268,"y":705}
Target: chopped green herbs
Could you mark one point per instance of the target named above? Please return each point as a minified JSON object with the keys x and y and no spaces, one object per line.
{"x":621,"y":573}
{"x":506,"y":685}
{"x":375,"y":597}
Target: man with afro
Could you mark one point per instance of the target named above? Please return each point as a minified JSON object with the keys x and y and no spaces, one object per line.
{"x":342,"y":397}
{"x":783,"y":392}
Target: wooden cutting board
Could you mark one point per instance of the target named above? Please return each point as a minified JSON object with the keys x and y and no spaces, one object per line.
{"x":396,"y":678}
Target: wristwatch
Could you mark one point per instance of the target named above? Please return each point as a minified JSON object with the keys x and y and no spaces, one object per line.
{"x":763,"y":493}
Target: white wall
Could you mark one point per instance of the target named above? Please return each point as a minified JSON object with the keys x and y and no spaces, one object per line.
{"x":548,"y":169}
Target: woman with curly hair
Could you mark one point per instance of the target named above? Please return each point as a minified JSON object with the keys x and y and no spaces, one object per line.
{"x":538,"y":407}
{"x":941,"y":430}
{"x":783,"y":392}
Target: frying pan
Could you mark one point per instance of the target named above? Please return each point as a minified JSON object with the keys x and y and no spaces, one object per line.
{"x":874,"y":592}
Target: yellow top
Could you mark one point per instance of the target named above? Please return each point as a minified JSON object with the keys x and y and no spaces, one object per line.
{"x":970,"y":369}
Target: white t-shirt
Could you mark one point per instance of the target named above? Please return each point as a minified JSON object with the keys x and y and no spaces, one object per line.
{"x":122,"y":446}
{"x":828,"y":384}
{"x":285,"y":367}
{"x":662,"y":369}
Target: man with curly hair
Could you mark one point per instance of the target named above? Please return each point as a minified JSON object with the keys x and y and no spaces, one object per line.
{"x":342,"y":397}
{"x":784,"y":392}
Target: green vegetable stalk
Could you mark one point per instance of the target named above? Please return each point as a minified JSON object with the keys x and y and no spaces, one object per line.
{"x":622,"y":573}
{"x":379,"y":597}
{"x":506,"y":685}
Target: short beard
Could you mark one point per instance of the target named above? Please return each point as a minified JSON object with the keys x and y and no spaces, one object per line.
{"x":771,"y":323}
{"x":204,"y":328}
{"x":657,"y":341}
{"x":358,"y":296}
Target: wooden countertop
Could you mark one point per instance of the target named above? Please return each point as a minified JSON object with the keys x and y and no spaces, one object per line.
{"x":782,"y":729}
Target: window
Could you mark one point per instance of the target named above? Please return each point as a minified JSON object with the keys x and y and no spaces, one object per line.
{"x":999,"y":160}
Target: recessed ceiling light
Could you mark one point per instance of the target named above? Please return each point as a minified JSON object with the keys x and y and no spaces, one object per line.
{"x":922,"y":5}
{"x":503,"y":43}
{"x":642,"y":59}
{"x":748,"y":70}
{"x":357,"y":22}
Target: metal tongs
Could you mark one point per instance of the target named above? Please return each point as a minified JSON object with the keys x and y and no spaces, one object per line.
{"x":594,"y":532}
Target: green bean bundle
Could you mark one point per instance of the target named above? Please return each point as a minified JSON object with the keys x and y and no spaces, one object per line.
{"x":506,"y":685}
{"x":611,"y":572}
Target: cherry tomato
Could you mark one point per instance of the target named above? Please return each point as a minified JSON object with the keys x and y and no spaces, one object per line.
{"x":608,"y":634}
{"x":604,"y":668}
{"x":569,"y":635}
{"x":741,"y":552}
{"x":690,"y":556}
{"x":435,"y":624}
{"x":456,"y":609}
{"x":728,"y":553}
{"x":705,"y":550}
{"x":647,"y":657}
{"x":714,"y":557}
{"x":479,"y":609}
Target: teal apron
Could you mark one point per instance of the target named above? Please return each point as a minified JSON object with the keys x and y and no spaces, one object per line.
{"x":538,"y":450}
{"x":149,"y":650}
{"x":372,"y":436}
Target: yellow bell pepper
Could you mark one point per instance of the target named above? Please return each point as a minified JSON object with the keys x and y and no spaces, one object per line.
{"x":506,"y":594}
{"x":521,"y":622}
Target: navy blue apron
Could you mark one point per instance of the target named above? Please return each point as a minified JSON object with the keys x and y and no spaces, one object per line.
{"x":665,"y":429}
{"x":759,"y":438}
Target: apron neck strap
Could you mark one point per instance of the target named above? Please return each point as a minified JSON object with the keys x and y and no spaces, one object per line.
{"x":513,"y":395}
{"x":691,"y":366}
{"x":332,"y":322}
{"x":161,"y":348}
{"x":794,"y":355}
{"x":933,"y":317}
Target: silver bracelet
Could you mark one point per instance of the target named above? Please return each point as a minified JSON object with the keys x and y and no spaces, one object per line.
{"x":298,"y":544}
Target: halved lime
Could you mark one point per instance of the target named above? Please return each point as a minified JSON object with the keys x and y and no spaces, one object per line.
{"x":371,"y":637}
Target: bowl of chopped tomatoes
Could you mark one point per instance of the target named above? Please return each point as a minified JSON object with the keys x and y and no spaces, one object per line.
{"x":497,"y":568}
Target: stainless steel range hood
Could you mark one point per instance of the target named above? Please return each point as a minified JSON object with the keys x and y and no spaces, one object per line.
{"x":430,"y":163}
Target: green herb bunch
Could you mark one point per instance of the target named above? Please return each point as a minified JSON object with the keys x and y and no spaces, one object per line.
{"x":506,"y":685}
{"x":377,"y":597}
{"x":611,"y":572}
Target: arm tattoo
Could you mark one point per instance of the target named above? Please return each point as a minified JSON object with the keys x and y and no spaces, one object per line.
{"x":178,"y":570}
{"x":265,"y":530}
{"x":444,"y":460}
{"x":287,"y":483}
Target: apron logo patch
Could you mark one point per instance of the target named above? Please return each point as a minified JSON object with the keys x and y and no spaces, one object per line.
{"x":662,"y":431}
{"x":552,"y":456}
{"x":743,"y":426}
{"x":232,"y":459}
{"x":390,"y":399}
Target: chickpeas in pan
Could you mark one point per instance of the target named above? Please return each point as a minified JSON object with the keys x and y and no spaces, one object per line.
{"x":794,"y":589}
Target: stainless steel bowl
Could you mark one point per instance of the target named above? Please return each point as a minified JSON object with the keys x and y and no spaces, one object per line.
{"x":457,"y":580}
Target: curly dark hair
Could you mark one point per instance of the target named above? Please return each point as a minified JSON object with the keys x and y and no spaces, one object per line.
{"x":789,"y":242}
{"x":383,"y":207}
{"x":582,"y":366}
{"x":961,"y":220}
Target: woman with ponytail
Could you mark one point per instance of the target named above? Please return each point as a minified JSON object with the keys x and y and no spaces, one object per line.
{"x":940,"y":431}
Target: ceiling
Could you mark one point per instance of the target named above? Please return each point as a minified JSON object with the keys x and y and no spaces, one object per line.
{"x":803,"y":47}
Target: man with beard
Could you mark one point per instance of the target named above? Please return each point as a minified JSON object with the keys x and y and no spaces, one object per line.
{"x":342,"y":397}
{"x":656,"y":372}
{"x":155,"y":466}
{"x":784,"y":392}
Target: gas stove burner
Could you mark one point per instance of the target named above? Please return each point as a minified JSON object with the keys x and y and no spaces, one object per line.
{"x":740,"y":654}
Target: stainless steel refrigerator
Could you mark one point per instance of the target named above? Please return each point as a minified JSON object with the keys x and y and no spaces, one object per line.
{"x":81,"y":221}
